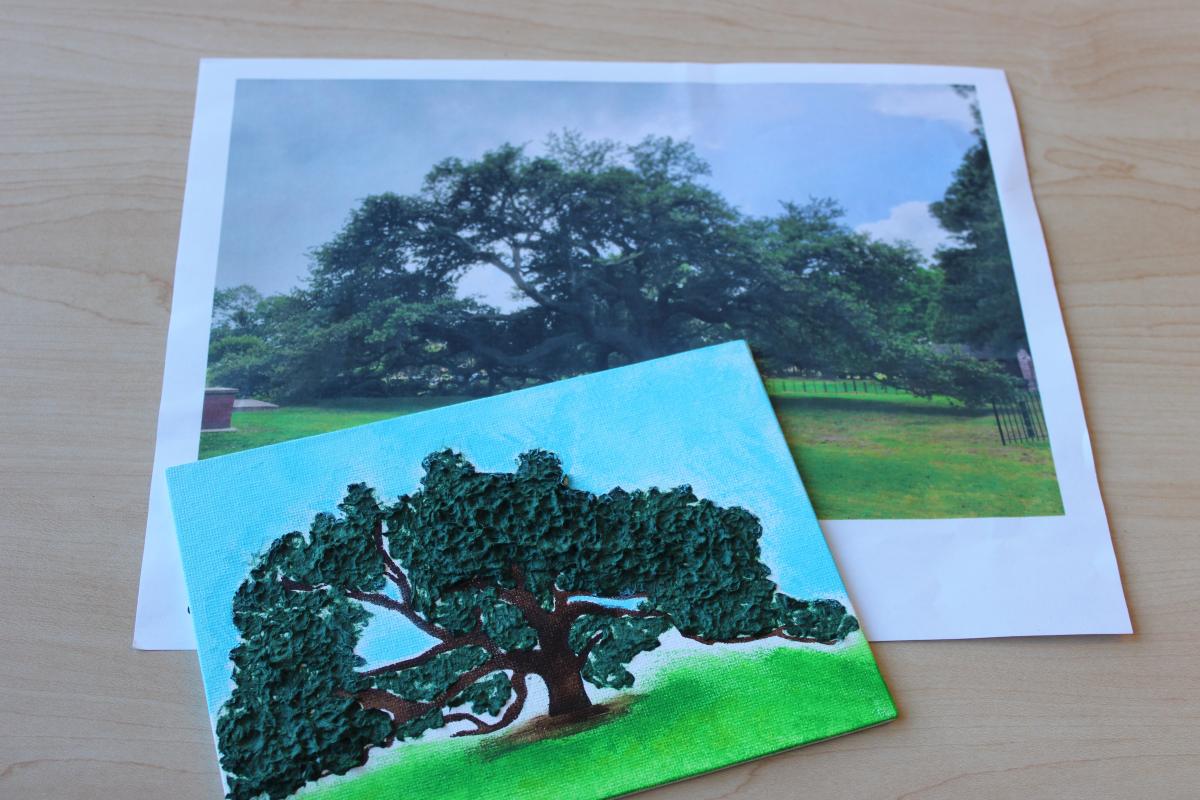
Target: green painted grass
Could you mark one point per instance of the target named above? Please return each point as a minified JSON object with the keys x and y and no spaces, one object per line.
{"x":863,"y":456}
{"x":695,"y":715}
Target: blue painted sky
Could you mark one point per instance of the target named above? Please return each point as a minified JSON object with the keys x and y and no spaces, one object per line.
{"x":699,"y":418}
{"x":303,"y":153}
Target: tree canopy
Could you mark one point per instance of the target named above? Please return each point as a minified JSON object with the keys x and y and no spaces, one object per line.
{"x":618,"y":254}
{"x":979,"y":305}
{"x":510,"y":576}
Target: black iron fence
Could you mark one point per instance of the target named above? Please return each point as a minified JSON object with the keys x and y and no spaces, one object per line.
{"x":1020,"y":419}
{"x":825,"y":385}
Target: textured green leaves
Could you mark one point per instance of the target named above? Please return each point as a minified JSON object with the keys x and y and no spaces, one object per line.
{"x":466,"y":526}
{"x":691,"y":558}
{"x":292,"y":716}
{"x":818,"y":620}
{"x":427,"y":681}
{"x":413,"y":728}
{"x":616,"y":642}
{"x":506,"y":626}
{"x":338,"y":551}
{"x":488,"y":696}
{"x":501,"y":569}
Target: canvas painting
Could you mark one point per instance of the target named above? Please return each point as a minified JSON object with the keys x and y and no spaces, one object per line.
{"x":581,"y":589}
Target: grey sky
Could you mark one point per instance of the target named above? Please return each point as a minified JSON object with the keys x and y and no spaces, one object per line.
{"x":304,"y":153}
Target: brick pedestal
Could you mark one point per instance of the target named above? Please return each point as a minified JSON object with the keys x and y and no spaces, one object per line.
{"x":218,"y":408}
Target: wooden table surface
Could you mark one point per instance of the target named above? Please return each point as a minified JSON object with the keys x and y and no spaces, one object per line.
{"x":95,"y":112}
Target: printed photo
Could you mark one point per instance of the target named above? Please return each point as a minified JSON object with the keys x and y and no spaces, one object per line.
{"x":362,"y":240}
{"x":391,"y":246}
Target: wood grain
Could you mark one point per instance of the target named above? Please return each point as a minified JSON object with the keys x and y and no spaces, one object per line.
{"x":95,"y":111}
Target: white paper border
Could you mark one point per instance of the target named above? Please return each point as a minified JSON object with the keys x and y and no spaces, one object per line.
{"x":909,"y":579}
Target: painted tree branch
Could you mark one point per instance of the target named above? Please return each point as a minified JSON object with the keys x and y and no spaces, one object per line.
{"x":396,"y":575}
{"x":476,"y":638}
{"x":588,"y":646}
{"x":521,"y":692}
{"x":577,"y":608}
{"x":403,"y":710}
{"x":462,"y":716}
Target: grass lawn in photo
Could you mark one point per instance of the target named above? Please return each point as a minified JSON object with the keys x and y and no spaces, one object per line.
{"x":682,"y":716}
{"x":862,"y":455}
{"x":261,"y":428}
{"x":895,"y":456}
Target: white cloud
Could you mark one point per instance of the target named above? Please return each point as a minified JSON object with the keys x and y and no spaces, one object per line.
{"x":939,"y":103}
{"x":909,"y":222}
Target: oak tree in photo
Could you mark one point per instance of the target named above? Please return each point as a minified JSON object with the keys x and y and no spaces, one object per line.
{"x":511,"y":577}
{"x":613,"y":254}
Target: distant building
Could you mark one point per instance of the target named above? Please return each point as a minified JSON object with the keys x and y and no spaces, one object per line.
{"x":1025,"y":362}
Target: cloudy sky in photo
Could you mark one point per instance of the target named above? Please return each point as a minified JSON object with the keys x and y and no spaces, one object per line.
{"x":304,"y":153}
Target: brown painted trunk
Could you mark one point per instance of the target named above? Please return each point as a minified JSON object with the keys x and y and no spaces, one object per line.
{"x":558,"y":665}
{"x":567,"y":695}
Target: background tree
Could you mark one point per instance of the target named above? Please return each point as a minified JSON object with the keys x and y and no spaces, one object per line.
{"x":370,"y":321}
{"x":832,"y":300}
{"x":979,"y":301}
{"x":501,"y":572}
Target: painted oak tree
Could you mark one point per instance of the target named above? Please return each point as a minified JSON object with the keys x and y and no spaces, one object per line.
{"x":511,"y":576}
